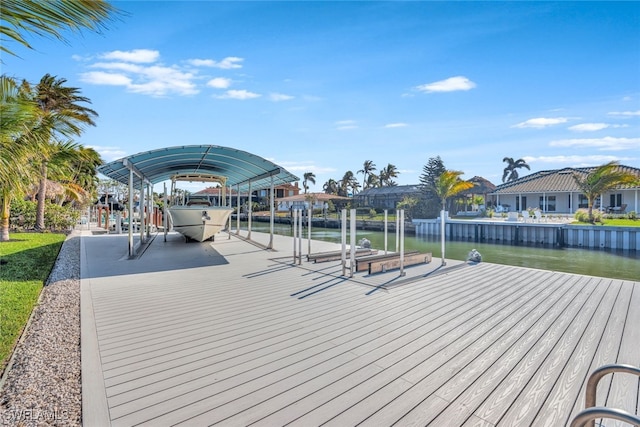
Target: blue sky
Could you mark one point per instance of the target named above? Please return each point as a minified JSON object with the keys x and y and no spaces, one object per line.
{"x":323,"y":86}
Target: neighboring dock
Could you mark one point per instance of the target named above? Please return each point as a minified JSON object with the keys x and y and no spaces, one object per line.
{"x":231,"y":333}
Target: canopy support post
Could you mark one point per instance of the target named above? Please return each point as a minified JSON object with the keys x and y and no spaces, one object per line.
{"x":132,"y":252}
{"x":272,"y":210}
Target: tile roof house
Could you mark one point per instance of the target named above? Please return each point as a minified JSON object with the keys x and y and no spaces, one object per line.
{"x":213,"y":194}
{"x":555,"y":191}
{"x":386,"y":197}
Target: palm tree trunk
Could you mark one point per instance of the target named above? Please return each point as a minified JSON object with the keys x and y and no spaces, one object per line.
{"x":42,"y":195}
{"x":591,"y":201}
{"x":442,"y":233}
{"x":4,"y":215}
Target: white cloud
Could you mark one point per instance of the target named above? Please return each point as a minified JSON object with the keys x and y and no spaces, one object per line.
{"x":108,"y":79}
{"x":306,"y":166}
{"x":219,"y":83}
{"x":448,"y":85}
{"x":119,"y":66}
{"x":395,"y":125}
{"x":109,"y":154}
{"x":136,"y":55}
{"x":592,"y":127}
{"x":606,"y":143}
{"x":239,"y":94}
{"x":277,"y":97}
{"x":346,"y":125}
{"x":227,"y":63}
{"x":541,"y":122}
{"x":575,"y":161}
{"x":625,"y":113}
{"x":148,"y":79}
{"x":588,"y":127}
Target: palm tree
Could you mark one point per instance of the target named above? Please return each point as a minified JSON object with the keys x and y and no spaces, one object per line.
{"x":61,"y":115}
{"x":511,"y":171}
{"x":601,"y":179}
{"x":447,"y":185}
{"x":387,"y":174}
{"x":69,"y":165}
{"x":308,"y":177}
{"x":373,"y":181}
{"x":50,"y":18}
{"x":367,"y":169}
{"x":83,"y":180}
{"x":18,"y":145}
{"x":331,"y":187}
{"x":348,"y":182}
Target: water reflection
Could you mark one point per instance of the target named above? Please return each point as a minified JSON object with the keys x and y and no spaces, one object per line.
{"x":592,"y":262}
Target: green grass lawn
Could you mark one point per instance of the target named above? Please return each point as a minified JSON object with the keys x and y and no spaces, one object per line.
{"x":613,"y":222}
{"x":27,"y":260}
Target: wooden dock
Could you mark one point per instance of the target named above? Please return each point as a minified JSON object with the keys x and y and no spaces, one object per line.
{"x":229,"y":334}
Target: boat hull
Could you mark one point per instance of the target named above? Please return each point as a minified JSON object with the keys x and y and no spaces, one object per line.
{"x":199,"y":222}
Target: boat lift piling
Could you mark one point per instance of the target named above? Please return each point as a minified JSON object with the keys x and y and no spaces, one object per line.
{"x":294,"y":221}
{"x":386,"y":229}
{"x":309,"y":221}
{"x":165,"y":213}
{"x":343,"y":240}
{"x":401,"y":214}
{"x":300,"y":237}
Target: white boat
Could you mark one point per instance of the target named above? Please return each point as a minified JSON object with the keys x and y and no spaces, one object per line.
{"x":197,"y":219}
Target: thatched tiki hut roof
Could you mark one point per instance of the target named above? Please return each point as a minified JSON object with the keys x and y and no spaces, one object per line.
{"x":53,"y":190}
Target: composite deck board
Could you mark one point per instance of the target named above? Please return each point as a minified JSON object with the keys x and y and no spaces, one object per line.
{"x":624,"y":389}
{"x":384,"y":390}
{"x":365,"y":341}
{"x":463,"y":366}
{"x":567,"y":386}
{"x":535,"y":393}
{"x":233,"y":334}
{"x":496,"y":404}
{"x":343,"y":381}
{"x":333,"y":324}
{"x":608,"y":349}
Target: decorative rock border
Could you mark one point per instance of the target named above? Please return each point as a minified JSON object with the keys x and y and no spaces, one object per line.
{"x":42,"y":383}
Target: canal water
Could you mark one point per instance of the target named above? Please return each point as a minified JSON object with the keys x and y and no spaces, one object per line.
{"x":592,"y":262}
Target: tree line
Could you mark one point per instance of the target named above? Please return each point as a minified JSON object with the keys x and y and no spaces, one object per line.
{"x":39,"y":157}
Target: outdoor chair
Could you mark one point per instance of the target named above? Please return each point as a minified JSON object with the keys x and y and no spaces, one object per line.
{"x":538,"y":216}
{"x":525,"y":216}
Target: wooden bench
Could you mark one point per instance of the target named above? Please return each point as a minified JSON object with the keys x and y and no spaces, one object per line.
{"x":362,"y":263}
{"x":336,"y":255}
{"x":394,"y":263}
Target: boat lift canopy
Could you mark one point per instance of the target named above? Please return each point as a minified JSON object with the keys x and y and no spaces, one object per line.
{"x":240,"y":168}
{"x":229,"y":166}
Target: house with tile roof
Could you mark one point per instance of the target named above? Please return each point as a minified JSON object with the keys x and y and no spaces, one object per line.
{"x":555,"y":191}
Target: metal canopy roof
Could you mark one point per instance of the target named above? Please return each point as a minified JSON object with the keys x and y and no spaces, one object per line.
{"x":237,"y":166}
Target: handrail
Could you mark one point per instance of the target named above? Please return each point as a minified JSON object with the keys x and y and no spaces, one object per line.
{"x":590,"y":398}
{"x":593,"y":413}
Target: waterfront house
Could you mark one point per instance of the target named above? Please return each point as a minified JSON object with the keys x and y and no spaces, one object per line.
{"x":386,"y":197}
{"x":317,"y":201}
{"x":214,"y":194}
{"x":555,"y":191}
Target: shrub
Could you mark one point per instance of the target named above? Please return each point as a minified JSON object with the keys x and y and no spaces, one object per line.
{"x":582,"y":215}
{"x":632,"y":215}
{"x":22,"y":214}
{"x":56,"y":217}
